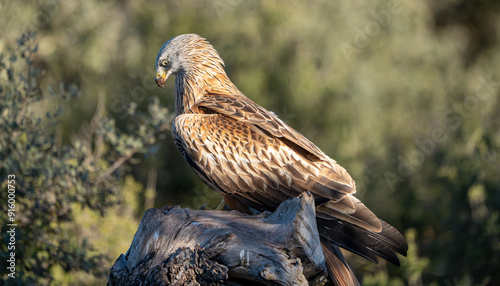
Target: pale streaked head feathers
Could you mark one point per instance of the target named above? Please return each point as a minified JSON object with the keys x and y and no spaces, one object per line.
{"x":183,"y":54}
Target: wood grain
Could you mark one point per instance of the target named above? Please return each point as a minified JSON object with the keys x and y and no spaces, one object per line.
{"x":176,"y":246}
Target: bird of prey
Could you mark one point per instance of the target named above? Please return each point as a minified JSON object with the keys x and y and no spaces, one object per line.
{"x":256,"y":161}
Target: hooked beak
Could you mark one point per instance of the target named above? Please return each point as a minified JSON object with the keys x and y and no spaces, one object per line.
{"x":161,"y":77}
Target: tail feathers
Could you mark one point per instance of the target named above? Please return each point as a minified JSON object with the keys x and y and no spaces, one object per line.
{"x":340,"y":273}
{"x":364,"y":242}
{"x":392,"y":237}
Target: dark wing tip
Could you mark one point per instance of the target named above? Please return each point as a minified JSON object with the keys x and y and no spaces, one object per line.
{"x":362,"y":242}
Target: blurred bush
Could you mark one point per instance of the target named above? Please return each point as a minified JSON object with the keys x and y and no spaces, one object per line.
{"x":65,"y":193}
{"x":404,"y":94}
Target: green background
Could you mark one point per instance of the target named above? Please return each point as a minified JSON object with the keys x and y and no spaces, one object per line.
{"x":404,"y":94}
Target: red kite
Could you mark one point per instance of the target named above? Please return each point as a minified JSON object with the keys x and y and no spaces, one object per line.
{"x":257,"y":161}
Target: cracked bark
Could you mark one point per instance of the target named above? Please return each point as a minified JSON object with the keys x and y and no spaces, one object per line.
{"x":175,"y":246}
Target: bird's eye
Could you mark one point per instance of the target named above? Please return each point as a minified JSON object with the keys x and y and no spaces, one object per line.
{"x":164,"y":63}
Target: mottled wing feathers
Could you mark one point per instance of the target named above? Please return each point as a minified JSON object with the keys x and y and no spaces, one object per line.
{"x":226,"y":155}
{"x":242,"y":108}
{"x":242,"y":160}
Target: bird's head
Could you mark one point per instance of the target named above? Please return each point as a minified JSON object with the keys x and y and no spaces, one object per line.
{"x":182,"y":55}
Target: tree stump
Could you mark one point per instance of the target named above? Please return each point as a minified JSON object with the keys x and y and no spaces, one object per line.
{"x":175,"y":246}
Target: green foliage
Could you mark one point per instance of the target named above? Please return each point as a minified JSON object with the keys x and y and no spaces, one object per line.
{"x":404,"y":94}
{"x":56,"y":182}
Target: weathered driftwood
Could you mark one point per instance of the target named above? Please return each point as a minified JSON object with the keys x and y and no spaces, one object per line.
{"x":175,"y":246}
